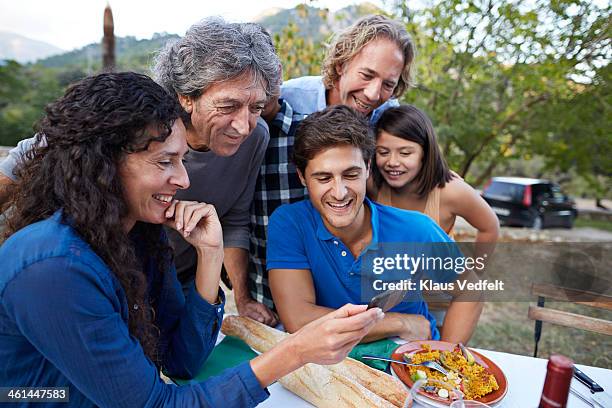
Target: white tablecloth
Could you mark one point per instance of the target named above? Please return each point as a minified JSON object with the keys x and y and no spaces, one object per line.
{"x":525,"y":381}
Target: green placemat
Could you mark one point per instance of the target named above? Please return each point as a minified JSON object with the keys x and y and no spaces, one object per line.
{"x":382,"y":348}
{"x":230,"y":352}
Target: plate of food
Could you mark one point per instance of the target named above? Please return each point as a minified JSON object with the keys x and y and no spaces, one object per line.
{"x":477,"y":377}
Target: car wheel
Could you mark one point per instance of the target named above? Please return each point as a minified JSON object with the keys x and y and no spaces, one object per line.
{"x":537,"y":223}
{"x":569,"y":224}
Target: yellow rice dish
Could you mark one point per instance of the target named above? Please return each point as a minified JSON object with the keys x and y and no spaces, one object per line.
{"x":472,"y":379}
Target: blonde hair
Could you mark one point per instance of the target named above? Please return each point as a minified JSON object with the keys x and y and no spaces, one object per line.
{"x":351,"y":41}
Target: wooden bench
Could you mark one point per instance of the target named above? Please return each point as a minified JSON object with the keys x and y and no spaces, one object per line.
{"x":541,"y":313}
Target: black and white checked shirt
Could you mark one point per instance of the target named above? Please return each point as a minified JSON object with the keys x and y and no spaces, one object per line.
{"x":277,"y":183}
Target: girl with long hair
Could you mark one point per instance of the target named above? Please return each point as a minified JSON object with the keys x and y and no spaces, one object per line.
{"x":410,"y":173}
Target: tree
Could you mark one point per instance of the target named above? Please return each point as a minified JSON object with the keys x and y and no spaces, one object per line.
{"x":24,"y":92}
{"x":488,"y":71}
{"x":300,"y":56}
{"x":580,"y":137}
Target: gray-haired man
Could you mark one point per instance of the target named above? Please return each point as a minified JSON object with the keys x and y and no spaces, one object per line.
{"x":222,"y":74}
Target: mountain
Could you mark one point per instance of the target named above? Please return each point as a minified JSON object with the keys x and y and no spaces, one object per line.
{"x":137,"y":55}
{"x":267,"y":13}
{"x":314,"y":23}
{"x":22,"y":49}
{"x":131,"y":53}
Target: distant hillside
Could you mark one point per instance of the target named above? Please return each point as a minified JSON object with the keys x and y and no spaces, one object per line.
{"x":313,"y":22}
{"x":132,"y":54}
{"x":22,"y":49}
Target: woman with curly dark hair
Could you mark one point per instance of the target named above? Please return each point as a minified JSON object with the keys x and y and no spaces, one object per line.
{"x":89,"y":297}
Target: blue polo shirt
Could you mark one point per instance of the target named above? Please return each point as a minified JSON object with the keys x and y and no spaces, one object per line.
{"x":298,"y":239}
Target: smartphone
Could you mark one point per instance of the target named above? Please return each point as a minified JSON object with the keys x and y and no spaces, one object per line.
{"x":387,"y":300}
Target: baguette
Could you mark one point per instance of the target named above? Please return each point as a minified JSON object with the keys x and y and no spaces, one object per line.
{"x":326,"y":389}
{"x":384,"y":385}
{"x":349,"y":371}
{"x":257,"y":335}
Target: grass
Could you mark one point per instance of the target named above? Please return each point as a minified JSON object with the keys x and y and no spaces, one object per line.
{"x":598,"y":224}
{"x":504,"y":326}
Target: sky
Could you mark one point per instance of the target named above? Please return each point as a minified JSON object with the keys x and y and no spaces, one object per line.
{"x":70,"y":24}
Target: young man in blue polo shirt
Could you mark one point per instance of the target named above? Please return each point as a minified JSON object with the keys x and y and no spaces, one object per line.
{"x":316,"y":246}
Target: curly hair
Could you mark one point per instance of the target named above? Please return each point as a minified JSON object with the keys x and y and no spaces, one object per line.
{"x":214,"y":51}
{"x":348,"y":43}
{"x":73,"y":167}
{"x":335,"y":125}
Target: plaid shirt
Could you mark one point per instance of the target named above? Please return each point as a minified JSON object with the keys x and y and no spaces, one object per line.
{"x":277,"y":183}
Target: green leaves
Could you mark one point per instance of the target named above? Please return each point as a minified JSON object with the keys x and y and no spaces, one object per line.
{"x":300,"y":56}
{"x":24,"y":91}
{"x":505,"y":81}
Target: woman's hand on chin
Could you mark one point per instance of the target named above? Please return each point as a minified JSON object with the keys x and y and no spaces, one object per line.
{"x":197,"y":222}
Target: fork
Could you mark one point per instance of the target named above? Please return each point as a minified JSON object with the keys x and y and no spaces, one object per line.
{"x":429,"y":364}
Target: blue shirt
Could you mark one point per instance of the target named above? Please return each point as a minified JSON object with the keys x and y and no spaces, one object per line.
{"x":307,"y":95}
{"x":63,"y":323}
{"x":298,"y":239}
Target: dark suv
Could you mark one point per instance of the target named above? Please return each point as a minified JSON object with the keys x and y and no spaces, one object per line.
{"x":529,"y":202}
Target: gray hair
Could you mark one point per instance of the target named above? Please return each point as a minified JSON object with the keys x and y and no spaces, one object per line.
{"x":214,"y":51}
